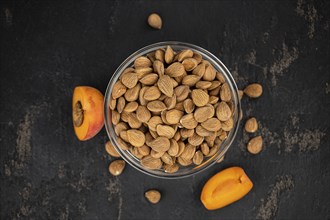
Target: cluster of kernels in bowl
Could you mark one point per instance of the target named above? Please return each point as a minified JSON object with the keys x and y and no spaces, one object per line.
{"x":171,"y":108}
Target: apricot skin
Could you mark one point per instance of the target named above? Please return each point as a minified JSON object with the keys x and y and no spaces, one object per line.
{"x":92,"y":102}
{"x":225,"y":188}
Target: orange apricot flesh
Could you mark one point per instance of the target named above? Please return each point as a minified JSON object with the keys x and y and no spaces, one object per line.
{"x":225,"y":188}
{"x":87,"y":112}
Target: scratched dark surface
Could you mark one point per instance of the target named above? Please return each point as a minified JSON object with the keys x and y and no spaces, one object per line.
{"x":49,"y":47}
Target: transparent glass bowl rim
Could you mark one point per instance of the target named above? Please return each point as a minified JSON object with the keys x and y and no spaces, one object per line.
{"x":218,"y":65}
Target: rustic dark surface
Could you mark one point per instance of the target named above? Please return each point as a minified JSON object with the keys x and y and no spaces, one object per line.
{"x":49,"y":47}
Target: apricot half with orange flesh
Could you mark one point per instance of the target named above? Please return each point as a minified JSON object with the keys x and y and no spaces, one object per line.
{"x":225,"y":188}
{"x":87,"y":112}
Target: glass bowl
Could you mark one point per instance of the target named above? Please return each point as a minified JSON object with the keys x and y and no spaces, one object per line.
{"x":184,"y":171}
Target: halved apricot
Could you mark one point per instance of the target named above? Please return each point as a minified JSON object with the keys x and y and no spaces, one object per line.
{"x":225,"y":188}
{"x":87,"y":112}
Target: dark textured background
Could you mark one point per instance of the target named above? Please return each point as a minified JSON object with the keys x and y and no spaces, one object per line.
{"x":49,"y":47}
